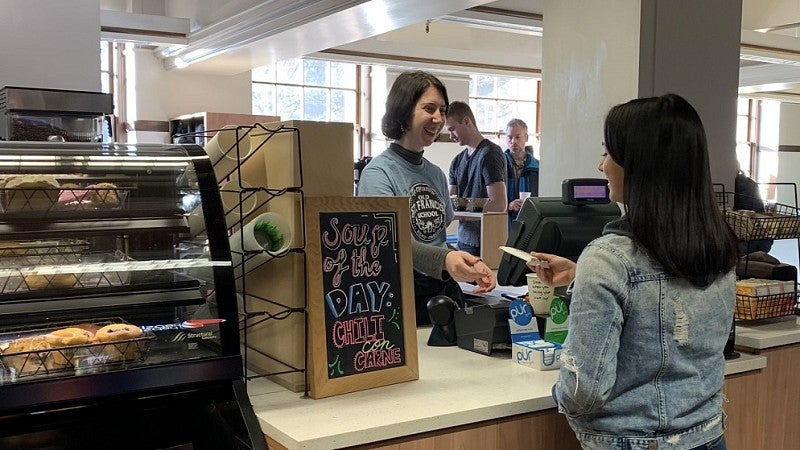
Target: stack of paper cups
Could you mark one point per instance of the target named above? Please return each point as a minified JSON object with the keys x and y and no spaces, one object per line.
{"x":222,"y":149}
{"x":253,"y":238}
{"x":230,"y":193}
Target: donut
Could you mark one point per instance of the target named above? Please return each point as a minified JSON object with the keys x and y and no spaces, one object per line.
{"x":66,"y":337}
{"x":112,"y":334}
{"x":29,"y":192}
{"x":32,"y":355}
{"x":56,"y":281}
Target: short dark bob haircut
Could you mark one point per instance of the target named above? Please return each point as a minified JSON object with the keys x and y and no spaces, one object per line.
{"x":669,"y":198}
{"x":403,"y":96}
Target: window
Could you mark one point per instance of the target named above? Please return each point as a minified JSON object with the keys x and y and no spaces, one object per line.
{"x":306,"y":89}
{"x":495,"y":100}
{"x":110,"y":82}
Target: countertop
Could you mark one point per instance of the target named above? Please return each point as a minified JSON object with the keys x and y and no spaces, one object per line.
{"x":455,"y":387}
{"x":768,"y":333}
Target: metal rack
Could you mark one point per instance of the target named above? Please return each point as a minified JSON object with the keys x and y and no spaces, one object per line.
{"x":248,"y":317}
{"x":777,"y":221}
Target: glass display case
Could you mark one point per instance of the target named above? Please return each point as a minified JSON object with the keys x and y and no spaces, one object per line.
{"x":112,"y":314}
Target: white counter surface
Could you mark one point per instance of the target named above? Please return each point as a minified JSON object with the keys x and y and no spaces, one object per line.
{"x":767,"y":333}
{"x":455,"y":387}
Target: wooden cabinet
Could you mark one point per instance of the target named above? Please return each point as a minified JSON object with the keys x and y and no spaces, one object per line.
{"x":763,"y":405}
{"x":197,"y":128}
{"x":541,"y":430}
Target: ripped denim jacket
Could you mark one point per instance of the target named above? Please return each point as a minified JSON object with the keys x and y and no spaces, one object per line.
{"x":643,"y":364}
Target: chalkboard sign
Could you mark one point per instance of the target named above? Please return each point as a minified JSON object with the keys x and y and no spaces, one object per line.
{"x":362,"y":329}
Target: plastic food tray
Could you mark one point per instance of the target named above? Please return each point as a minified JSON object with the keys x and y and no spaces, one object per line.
{"x":765,"y":306}
{"x":76,"y":359}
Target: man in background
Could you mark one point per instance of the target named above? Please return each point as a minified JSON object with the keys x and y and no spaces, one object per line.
{"x":522,"y":167}
{"x":479,"y":171}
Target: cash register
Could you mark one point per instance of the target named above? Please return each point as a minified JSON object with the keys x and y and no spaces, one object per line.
{"x":558,"y":225}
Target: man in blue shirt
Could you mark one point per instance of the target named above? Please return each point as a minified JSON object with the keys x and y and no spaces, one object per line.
{"x":521,"y":165}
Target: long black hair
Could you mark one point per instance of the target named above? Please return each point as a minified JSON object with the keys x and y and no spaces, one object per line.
{"x":668,"y":194}
{"x":403,"y":96}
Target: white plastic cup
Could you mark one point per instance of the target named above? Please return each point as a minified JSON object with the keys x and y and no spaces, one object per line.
{"x":524,"y":195}
{"x":255,"y":241}
{"x":539,"y":294}
{"x":221,"y":149}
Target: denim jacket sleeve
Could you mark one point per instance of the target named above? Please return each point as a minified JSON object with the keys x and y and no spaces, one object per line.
{"x":589,"y":362}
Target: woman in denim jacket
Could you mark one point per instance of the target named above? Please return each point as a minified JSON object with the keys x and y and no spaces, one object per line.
{"x":653,"y":297}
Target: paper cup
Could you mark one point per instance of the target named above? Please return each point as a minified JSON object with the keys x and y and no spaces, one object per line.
{"x":539,"y":294}
{"x":221,"y":149}
{"x":524,"y":195}
{"x":248,"y":239}
{"x":229,"y":192}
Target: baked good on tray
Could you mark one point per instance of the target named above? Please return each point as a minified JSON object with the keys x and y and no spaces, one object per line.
{"x":66,"y":337}
{"x":93,"y":196}
{"x":32,"y":358}
{"x":118,"y":337}
{"x":29,"y":193}
{"x":104,"y":195}
{"x":55,"y":281}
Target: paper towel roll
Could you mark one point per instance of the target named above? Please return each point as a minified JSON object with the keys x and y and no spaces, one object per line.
{"x":221,"y":149}
{"x":250,"y":238}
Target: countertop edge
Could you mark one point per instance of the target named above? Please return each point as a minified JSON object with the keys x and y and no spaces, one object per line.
{"x":406,"y":428}
{"x":768,"y":333}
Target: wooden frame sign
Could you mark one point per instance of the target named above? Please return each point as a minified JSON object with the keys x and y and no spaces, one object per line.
{"x":361,"y":321}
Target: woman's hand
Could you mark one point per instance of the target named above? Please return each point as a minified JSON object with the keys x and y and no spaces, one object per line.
{"x":465,"y":267}
{"x":561,"y":271}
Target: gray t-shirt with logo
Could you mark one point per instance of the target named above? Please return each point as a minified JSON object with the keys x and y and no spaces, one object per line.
{"x":425,"y":185}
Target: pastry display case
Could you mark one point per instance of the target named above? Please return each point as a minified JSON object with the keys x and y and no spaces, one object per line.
{"x":112,"y":314}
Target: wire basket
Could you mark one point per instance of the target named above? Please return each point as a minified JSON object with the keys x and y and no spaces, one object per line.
{"x":778,"y":221}
{"x":27,"y":202}
{"x":39,"y":357}
{"x":62,"y":265}
{"x":753,"y":307}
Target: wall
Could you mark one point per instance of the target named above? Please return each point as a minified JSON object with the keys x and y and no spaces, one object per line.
{"x":788,"y":161}
{"x":50,"y":44}
{"x":598,"y":54}
{"x":160,"y":95}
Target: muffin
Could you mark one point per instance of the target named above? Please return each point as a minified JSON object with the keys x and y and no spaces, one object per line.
{"x":29,"y":193}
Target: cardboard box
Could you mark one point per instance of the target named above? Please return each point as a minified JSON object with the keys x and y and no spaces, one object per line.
{"x":539,"y":355}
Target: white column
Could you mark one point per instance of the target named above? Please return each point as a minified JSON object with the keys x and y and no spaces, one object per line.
{"x":598,"y":54}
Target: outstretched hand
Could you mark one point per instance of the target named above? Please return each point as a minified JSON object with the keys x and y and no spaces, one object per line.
{"x":561,"y":271}
{"x":468,"y":268}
